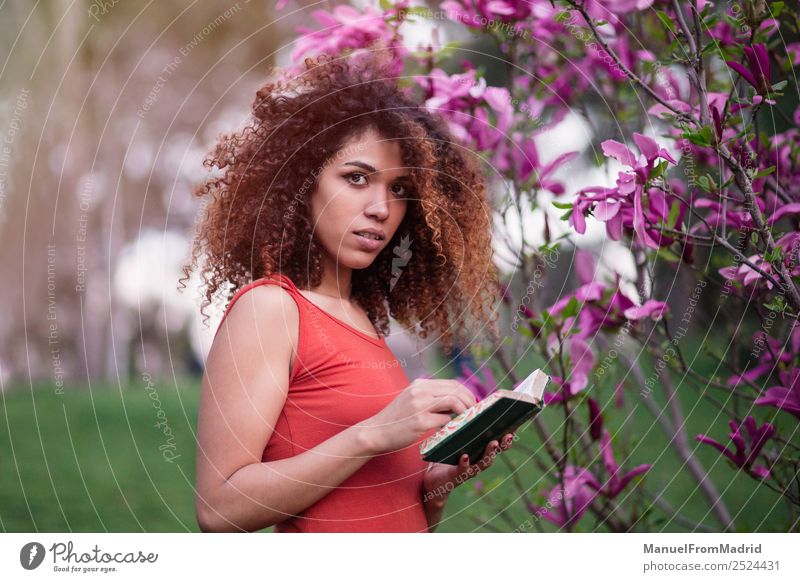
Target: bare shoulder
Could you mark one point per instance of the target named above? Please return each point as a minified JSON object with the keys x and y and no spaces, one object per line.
{"x":263,"y":321}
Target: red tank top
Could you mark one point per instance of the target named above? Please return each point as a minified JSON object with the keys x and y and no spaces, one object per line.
{"x":342,"y":376}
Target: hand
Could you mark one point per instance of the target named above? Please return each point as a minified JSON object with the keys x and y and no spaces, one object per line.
{"x":442,"y":478}
{"x":424,"y":405}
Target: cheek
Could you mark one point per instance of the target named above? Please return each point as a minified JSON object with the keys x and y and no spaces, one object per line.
{"x":399,"y":212}
{"x":334,"y":218}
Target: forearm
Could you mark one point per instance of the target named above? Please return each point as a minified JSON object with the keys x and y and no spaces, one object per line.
{"x":262,"y":494}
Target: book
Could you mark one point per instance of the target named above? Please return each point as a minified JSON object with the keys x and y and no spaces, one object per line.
{"x":500,"y":413}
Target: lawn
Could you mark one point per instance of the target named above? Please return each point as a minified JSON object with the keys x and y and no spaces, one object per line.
{"x":96,"y":459}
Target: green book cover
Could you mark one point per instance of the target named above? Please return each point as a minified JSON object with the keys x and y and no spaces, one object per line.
{"x":500,"y":413}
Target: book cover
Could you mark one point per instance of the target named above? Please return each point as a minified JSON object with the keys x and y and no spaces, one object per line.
{"x":500,"y":413}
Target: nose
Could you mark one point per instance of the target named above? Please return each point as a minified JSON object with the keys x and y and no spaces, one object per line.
{"x":378,"y":203}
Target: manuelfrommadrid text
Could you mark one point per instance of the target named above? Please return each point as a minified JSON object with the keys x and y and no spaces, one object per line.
{"x":694,"y":549}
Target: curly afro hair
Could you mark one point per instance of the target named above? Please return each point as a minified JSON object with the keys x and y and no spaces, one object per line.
{"x":256,"y":220}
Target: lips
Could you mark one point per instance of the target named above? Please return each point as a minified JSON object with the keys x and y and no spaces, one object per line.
{"x":371,"y":233}
{"x":368,"y":244}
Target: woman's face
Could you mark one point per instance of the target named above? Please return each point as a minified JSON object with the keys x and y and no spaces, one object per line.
{"x":363,"y":187}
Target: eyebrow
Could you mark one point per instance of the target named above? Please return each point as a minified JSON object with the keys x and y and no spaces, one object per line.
{"x":368,"y":168}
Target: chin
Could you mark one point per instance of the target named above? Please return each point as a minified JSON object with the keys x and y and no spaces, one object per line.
{"x":358,"y":260}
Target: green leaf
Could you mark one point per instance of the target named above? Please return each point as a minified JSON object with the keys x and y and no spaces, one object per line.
{"x":562,"y":205}
{"x":571,"y":309}
{"x":418,"y":10}
{"x":778,"y":304}
{"x":775,"y":256}
{"x":667,"y":255}
{"x":672,"y":218}
{"x":666,"y":20}
{"x":566,"y":215}
{"x":547,"y":320}
{"x":765,"y":172}
{"x":702,"y":137}
{"x":659,"y":170}
{"x":780,"y":85}
{"x":525,"y":330}
{"x":563,"y":15}
{"x":777,"y":8}
{"x":706,"y":183}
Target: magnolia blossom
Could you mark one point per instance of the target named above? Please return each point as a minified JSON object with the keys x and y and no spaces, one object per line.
{"x":756,"y":438}
{"x":479,"y":13}
{"x":346,"y":28}
{"x":615,"y":482}
{"x":582,"y":361}
{"x":757,"y":72}
{"x":774,"y":356}
{"x":581,"y":487}
{"x":624,"y":205}
{"x":785,"y":396}
{"x":747,"y":275}
{"x":652,"y":309}
{"x":566,"y":506}
{"x":481,"y":388}
{"x":484,"y":117}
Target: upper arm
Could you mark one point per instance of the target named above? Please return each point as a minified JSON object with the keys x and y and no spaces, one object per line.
{"x":245,"y":384}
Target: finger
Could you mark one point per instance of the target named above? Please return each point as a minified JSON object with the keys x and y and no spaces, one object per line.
{"x":439,"y":388}
{"x":488,"y":456}
{"x":438,"y":420}
{"x":463,"y":466}
{"x":447,"y":403}
{"x":507,"y":441}
{"x":464,"y":393}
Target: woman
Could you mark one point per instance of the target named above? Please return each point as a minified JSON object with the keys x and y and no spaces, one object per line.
{"x":342,"y":202}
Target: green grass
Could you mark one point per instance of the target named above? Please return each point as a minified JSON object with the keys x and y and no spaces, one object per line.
{"x":88,"y":460}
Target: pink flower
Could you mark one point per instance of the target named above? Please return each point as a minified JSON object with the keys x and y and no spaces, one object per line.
{"x":481,"y":388}
{"x":616,"y":483}
{"x":786,"y":396}
{"x":624,"y":205}
{"x":655,"y":310}
{"x":345,"y":28}
{"x":477,"y":13}
{"x":582,"y":361}
{"x":757,"y":73}
{"x":746,"y":275}
{"x":526,"y":160}
{"x":566,"y":506}
{"x":758,"y":437}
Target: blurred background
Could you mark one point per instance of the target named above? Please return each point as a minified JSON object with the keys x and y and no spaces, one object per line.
{"x":107,"y":109}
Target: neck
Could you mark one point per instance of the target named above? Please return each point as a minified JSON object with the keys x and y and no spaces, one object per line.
{"x":336,"y":280}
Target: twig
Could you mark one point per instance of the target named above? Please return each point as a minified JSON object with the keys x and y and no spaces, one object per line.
{"x":706,"y":485}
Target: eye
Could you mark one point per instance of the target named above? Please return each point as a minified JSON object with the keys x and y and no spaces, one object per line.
{"x":353,"y":176}
{"x":403,"y":190}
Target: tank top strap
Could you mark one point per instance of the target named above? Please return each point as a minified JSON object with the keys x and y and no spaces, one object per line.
{"x":274,"y":279}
